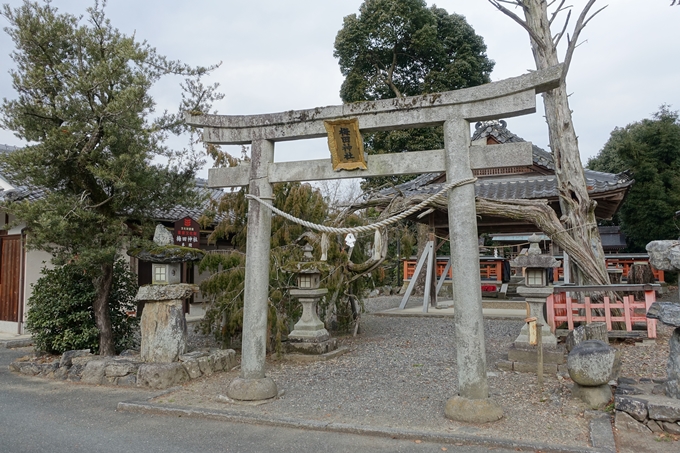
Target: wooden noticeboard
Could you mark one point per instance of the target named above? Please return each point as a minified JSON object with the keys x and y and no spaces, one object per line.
{"x":187,"y":233}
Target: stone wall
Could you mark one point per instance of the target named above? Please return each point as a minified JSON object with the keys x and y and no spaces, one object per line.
{"x":127,"y":369}
{"x":641,"y":406}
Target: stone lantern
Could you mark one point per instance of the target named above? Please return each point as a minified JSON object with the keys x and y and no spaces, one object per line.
{"x":309,"y":336}
{"x":536,"y":289}
{"x":163,"y":325}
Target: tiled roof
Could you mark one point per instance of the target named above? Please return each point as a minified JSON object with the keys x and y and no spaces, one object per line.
{"x":513,"y":186}
{"x":179,"y":212}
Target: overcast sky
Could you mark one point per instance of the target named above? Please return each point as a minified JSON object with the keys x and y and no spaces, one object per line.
{"x":278,"y":55}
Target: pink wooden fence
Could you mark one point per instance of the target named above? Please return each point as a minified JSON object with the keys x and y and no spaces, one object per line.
{"x":561,"y":308}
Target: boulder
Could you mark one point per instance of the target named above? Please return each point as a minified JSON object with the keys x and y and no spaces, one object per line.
{"x":592,"y":363}
{"x":664,"y":255}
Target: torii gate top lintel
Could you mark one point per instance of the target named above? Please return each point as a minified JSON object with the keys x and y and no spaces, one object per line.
{"x":509,"y":97}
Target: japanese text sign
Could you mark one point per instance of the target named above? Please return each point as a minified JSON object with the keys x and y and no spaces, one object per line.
{"x":345,"y":144}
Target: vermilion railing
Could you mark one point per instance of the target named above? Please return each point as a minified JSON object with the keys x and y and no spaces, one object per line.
{"x":561,"y":308}
{"x":488,"y":269}
{"x":623,"y":264}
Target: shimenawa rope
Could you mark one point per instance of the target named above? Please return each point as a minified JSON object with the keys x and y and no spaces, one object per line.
{"x":365,"y":228}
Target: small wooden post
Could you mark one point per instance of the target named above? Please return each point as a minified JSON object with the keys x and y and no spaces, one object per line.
{"x":539,"y":341}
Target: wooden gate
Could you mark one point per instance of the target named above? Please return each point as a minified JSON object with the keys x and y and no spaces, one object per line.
{"x":10,"y":277}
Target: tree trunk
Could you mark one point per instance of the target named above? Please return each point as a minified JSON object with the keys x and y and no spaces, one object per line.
{"x":102,"y":317}
{"x":578,"y":210}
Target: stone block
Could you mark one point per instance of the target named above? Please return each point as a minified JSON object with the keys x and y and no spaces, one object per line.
{"x":523,"y":367}
{"x":48,"y":369}
{"x":192,"y":368}
{"x":594,"y":397}
{"x":666,"y":409}
{"x":81,"y":361}
{"x":121,"y":368}
{"x":671,"y":428}
{"x":161,"y":375}
{"x":127,"y":381}
{"x":592,"y":363}
{"x":624,"y":389}
{"x":654,"y":426}
{"x":555,"y":356}
{"x":67,"y":357}
{"x":635,"y":407}
{"x":504,"y":365}
{"x":624,"y":422}
{"x":193,"y":355}
{"x":94,"y":372}
{"x":206,"y":365}
{"x":29,"y":368}
{"x":61,"y":373}
{"x":223,"y":359}
{"x":74,"y":373}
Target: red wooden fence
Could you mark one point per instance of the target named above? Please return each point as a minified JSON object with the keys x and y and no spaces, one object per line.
{"x":561,"y":308}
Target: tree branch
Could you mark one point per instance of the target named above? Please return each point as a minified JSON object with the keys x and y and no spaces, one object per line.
{"x":557,"y":38}
{"x":516,"y":18}
{"x":582,"y":21}
{"x":557,"y":11}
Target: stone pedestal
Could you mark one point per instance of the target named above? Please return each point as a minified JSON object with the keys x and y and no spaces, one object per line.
{"x":163,"y":325}
{"x":536,"y":299}
{"x":309,"y":336}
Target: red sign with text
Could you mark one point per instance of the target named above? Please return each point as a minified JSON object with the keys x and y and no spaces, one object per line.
{"x":187,"y":233}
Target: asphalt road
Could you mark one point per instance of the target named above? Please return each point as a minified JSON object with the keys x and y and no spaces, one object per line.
{"x":39,"y":415}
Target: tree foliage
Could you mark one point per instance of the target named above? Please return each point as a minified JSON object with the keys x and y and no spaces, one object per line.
{"x":650,"y":150}
{"x":84,"y":106}
{"x":225,"y":286}
{"x":60,"y":315}
{"x":396,"y":48}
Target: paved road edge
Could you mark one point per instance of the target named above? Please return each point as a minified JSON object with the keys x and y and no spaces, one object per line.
{"x":239,"y":417}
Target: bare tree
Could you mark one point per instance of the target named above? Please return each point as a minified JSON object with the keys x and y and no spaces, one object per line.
{"x":578,"y":210}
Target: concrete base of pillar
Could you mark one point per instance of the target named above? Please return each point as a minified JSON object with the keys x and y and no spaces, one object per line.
{"x":252,"y":389}
{"x":473,"y":411}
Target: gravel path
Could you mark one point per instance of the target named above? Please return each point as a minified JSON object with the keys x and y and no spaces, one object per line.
{"x":400,"y":372}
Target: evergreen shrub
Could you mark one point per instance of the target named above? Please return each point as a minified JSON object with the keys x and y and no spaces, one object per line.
{"x":60,"y":314}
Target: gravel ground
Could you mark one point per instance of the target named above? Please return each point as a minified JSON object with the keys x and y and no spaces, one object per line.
{"x":399,"y":373}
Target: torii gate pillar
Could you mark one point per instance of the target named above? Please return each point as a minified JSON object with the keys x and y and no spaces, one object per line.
{"x":252,"y":384}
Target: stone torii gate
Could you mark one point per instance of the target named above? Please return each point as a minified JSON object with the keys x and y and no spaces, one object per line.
{"x":454,"y":110}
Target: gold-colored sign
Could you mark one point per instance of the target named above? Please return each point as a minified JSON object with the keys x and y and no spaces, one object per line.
{"x":345,"y":144}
